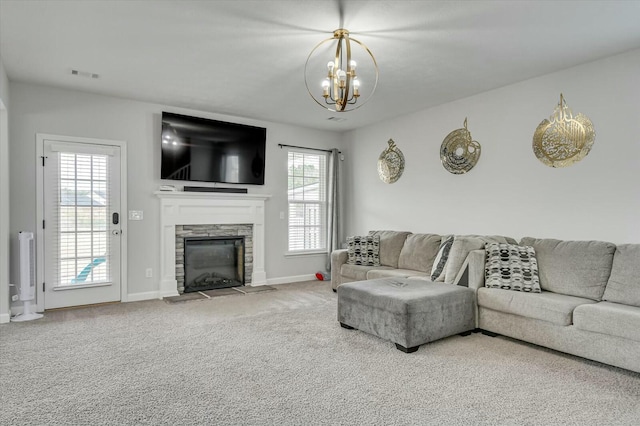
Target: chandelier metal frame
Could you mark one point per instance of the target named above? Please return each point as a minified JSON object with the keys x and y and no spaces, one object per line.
{"x":341,"y":88}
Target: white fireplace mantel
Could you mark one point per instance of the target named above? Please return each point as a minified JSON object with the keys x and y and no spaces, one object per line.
{"x":208,"y":208}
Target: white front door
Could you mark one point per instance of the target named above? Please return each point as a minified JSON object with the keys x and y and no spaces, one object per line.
{"x":82,"y":231}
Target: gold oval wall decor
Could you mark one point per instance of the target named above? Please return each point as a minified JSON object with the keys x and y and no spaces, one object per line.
{"x":459,"y":152}
{"x":563,"y":139}
{"x":391,"y":163}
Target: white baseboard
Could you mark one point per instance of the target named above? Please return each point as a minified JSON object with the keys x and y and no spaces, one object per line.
{"x":5,"y":318}
{"x":292,"y":279}
{"x":147,"y":295}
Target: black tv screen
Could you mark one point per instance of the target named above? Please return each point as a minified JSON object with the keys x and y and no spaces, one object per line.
{"x":198,"y":149}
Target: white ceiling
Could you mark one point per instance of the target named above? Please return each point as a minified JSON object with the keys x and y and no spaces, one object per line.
{"x":246,"y":58}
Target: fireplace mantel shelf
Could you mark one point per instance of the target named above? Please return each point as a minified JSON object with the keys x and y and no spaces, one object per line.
{"x":208,"y":208}
{"x":211,"y":195}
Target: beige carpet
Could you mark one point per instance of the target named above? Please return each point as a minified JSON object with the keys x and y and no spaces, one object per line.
{"x":280,"y":357}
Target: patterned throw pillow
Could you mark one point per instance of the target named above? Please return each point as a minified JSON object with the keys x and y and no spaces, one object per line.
{"x":437,"y":271}
{"x":512,"y":267}
{"x":363,"y":250}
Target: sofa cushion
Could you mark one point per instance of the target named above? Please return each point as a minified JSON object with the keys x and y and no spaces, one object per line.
{"x":511,"y":267}
{"x":358,"y":272}
{"x":363,"y":250}
{"x":419,"y":251}
{"x":391,"y":243}
{"x":462,"y":246}
{"x":624,"y":283}
{"x":574,"y":268}
{"x":609,"y":318}
{"x":439,"y":263}
{"x":545,"y":306}
{"x":401,"y":273}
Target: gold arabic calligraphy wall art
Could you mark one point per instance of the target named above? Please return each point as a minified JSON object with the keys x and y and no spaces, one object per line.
{"x":459,"y":152}
{"x":563,"y":139}
{"x":391,"y":163}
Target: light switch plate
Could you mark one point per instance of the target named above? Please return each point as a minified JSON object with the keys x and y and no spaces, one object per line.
{"x":135,"y":215}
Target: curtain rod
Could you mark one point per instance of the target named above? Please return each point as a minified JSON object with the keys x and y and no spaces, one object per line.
{"x":303,"y":147}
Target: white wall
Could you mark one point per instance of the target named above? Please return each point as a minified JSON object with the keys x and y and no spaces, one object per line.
{"x":41,"y":109}
{"x":510,"y":191}
{"x":4,"y":195}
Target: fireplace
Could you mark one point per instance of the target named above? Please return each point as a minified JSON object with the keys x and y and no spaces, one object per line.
{"x":192,"y":214}
{"x":213,"y":262}
{"x":237,"y":231}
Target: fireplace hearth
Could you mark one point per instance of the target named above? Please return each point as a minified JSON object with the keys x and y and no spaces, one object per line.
{"x":213,"y":262}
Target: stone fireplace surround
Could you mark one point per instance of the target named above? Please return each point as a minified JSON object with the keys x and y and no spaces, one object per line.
{"x":235,"y":230}
{"x":208,"y":208}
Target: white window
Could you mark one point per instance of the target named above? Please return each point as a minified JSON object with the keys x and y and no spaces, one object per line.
{"x":307,"y":194}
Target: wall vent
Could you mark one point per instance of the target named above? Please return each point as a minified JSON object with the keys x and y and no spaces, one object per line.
{"x":84,"y":74}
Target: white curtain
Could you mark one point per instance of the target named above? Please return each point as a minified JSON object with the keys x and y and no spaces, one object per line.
{"x":333,"y":211}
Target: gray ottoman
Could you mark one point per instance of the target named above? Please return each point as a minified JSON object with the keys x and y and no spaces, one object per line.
{"x":407,"y":312}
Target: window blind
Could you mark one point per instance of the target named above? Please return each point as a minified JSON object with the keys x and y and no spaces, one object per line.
{"x":307,"y":195}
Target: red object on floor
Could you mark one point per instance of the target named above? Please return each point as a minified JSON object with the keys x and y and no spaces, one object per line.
{"x":320,"y":276}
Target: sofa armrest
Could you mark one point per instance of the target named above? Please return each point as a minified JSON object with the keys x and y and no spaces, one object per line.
{"x":338,"y":258}
{"x":471,"y":273}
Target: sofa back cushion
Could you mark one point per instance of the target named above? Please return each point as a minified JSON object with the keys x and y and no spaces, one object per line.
{"x":391,"y":243}
{"x":624,"y":283}
{"x":574,"y":268}
{"x":418,"y":252}
{"x":465,"y":244}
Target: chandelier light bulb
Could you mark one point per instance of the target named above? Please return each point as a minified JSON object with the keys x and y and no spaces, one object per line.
{"x":352,"y":65}
{"x":330,"y":66}
{"x":174,"y":143}
{"x":325,"y":87}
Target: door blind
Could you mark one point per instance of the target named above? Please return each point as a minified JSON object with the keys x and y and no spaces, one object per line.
{"x":78,"y":229}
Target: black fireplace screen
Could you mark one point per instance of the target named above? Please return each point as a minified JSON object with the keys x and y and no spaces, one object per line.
{"x":213,"y":262}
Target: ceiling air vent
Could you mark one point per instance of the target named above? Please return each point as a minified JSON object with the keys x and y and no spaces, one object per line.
{"x":84,"y":74}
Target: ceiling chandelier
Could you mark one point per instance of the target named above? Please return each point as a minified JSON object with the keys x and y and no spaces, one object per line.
{"x":336,"y":85}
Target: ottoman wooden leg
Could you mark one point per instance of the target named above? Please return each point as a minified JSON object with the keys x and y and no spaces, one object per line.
{"x":489,"y":333}
{"x":348,"y":327}
{"x":406,"y":350}
{"x":466,"y":333}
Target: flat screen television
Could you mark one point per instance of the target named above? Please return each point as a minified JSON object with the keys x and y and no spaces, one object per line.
{"x":202,"y":150}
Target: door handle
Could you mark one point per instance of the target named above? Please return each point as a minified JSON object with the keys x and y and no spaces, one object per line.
{"x":115,"y":218}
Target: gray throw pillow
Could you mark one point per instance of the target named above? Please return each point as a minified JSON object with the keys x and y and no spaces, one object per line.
{"x":437,"y":272}
{"x":363,"y":250}
{"x":511,"y":267}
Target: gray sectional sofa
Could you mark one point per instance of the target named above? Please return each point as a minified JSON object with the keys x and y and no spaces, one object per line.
{"x":590,"y":300}
{"x":405,"y":254}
